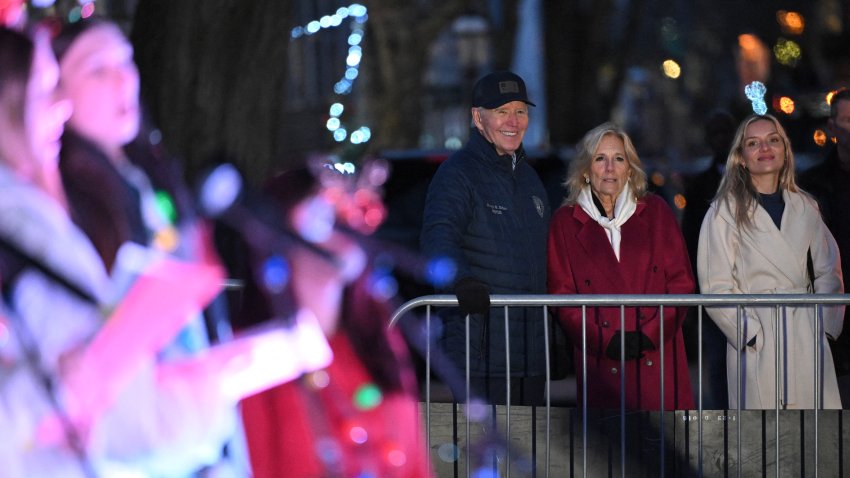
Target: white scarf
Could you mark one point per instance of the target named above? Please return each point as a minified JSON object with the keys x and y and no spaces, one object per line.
{"x":624,"y":207}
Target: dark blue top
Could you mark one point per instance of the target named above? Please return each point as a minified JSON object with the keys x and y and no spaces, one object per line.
{"x":774,"y":205}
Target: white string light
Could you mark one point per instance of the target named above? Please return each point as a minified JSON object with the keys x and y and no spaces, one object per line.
{"x":358,"y":15}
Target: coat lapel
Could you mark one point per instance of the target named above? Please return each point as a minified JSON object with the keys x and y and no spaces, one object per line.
{"x":782,"y":248}
{"x":605,"y":268}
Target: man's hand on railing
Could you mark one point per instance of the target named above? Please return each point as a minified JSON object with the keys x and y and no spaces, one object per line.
{"x":636,"y":344}
{"x":473,"y":296}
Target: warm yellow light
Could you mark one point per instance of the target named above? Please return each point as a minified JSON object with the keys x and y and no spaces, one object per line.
{"x":791,"y":22}
{"x":829,"y":97}
{"x":819,"y":137}
{"x":680,"y":201}
{"x":671,"y":69}
{"x":787,"y":52}
{"x":786,"y":104}
{"x":657,"y":179}
{"x":750,"y":46}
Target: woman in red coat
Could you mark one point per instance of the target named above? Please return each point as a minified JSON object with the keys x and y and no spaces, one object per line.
{"x":612,"y":237}
{"x":360,"y":415}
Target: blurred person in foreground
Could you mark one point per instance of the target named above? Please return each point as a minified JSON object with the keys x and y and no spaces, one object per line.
{"x":61,"y":413}
{"x":829,"y":183}
{"x":487,"y":213}
{"x":140,"y":196}
{"x":612,"y":237}
{"x":699,"y":192}
{"x":360,"y":415}
{"x":764,"y":235}
{"x":121,"y":187}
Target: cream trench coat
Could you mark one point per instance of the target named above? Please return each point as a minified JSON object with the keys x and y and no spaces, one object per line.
{"x":764,"y":260}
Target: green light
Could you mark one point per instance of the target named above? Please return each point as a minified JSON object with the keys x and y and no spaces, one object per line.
{"x":75,"y":14}
{"x":165,"y":206}
{"x":367,"y":397}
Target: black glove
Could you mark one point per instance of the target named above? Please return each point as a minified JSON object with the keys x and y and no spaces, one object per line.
{"x":473,"y":296}
{"x":636,"y":344}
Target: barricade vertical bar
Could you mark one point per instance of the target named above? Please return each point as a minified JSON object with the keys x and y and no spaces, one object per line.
{"x":428,"y":376}
{"x":819,"y":352}
{"x":508,"y":393}
{"x":584,"y":389}
{"x":741,"y":344}
{"x":622,"y":391}
{"x":778,"y":376}
{"x":699,"y":389}
{"x":663,"y":448}
{"x":468,"y":401}
{"x":548,"y":384}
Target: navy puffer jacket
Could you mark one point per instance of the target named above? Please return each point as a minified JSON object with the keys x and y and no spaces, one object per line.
{"x":492,"y":221}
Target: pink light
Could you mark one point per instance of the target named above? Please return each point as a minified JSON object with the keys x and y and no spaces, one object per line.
{"x":87,"y":10}
{"x":358,"y":435}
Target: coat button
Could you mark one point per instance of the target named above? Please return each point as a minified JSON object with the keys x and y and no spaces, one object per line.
{"x":614,"y":370}
{"x":605,"y":323}
{"x":649,"y":363}
{"x":587,"y":282}
{"x":654,"y":268}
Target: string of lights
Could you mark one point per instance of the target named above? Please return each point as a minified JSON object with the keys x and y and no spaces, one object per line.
{"x":358,"y":15}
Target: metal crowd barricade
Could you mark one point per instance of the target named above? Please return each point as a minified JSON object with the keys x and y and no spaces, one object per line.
{"x":777,"y":301}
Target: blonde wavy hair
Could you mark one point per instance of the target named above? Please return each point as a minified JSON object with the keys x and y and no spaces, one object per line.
{"x":737,"y":184}
{"x":580,"y":164}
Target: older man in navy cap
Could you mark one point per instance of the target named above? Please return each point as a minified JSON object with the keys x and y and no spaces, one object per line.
{"x":487,"y":212}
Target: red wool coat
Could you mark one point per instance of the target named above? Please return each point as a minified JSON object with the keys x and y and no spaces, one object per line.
{"x":653,"y":260}
{"x":295,"y":430}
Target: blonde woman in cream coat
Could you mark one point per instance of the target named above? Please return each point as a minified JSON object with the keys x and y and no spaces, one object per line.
{"x":756,"y":239}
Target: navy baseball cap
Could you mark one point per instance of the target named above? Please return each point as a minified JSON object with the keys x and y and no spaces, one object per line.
{"x":499,"y":88}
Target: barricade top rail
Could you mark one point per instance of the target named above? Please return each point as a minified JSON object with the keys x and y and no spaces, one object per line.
{"x":616,"y":300}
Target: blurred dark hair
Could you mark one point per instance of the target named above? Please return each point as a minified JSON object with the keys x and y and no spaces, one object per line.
{"x":69,"y":32}
{"x":842,"y":94}
{"x":16,"y":57}
{"x":363,"y":318}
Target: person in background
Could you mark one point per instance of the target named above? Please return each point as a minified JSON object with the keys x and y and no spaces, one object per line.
{"x":764,"y":235}
{"x":360,"y":415}
{"x":55,"y":295}
{"x":700,"y":190}
{"x":612,"y":237}
{"x":487,"y":212}
{"x":829,"y":183}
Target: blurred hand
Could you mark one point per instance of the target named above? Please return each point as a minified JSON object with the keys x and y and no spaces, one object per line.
{"x":473,"y":296}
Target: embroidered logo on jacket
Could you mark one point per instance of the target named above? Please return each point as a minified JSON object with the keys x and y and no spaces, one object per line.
{"x":538,"y":204}
{"x":496,"y":209}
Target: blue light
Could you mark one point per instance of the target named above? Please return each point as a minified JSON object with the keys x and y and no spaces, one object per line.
{"x":355,"y":38}
{"x":357,"y":137}
{"x":340,"y":135}
{"x":313,"y":27}
{"x":332,"y":124}
{"x":275,"y":273}
{"x":336,"y":20}
{"x":297,"y":32}
{"x":336,"y":109}
{"x":325,"y":21}
{"x":485,"y":472}
{"x":362,"y":19}
{"x":342,"y":87}
{"x":367,"y":133}
{"x":351,"y":73}
{"x":441,"y":271}
{"x":342,"y":12}
{"x":357,"y":10}
{"x":353,"y":56}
